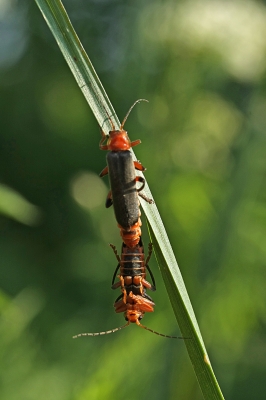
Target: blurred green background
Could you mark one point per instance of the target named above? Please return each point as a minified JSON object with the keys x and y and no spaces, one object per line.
{"x":201,"y":64}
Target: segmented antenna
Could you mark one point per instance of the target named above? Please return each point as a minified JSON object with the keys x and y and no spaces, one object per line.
{"x":124,"y":326}
{"x":158,"y":333}
{"x":124,"y":120}
{"x":101,"y":333}
{"x":109,"y":118}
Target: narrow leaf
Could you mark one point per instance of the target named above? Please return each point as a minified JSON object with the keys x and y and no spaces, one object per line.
{"x":88,"y":81}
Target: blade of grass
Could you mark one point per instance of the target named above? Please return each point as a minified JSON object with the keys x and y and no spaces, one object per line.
{"x":78,"y":61}
{"x":88,"y":81}
{"x":183,"y":310}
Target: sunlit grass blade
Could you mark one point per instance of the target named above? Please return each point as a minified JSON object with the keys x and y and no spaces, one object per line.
{"x":88,"y":81}
{"x":78,"y":61}
{"x":183,"y":310}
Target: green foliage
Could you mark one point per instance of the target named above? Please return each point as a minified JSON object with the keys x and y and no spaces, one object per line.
{"x":203,"y":143}
{"x":88,"y":81}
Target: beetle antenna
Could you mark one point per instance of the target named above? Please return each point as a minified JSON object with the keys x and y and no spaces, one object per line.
{"x":124,"y":120}
{"x":101,"y":333}
{"x":158,"y":333}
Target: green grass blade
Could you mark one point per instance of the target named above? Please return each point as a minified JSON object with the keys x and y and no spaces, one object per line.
{"x":58,"y":21}
{"x":183,"y":310}
{"x":88,"y":81}
{"x":180,"y":302}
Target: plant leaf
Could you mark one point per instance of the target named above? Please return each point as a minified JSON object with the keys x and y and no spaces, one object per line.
{"x":88,"y":81}
{"x":183,"y":310}
{"x":58,"y":21}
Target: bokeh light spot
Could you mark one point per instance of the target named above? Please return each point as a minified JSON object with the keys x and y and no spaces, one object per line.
{"x":88,"y":190}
